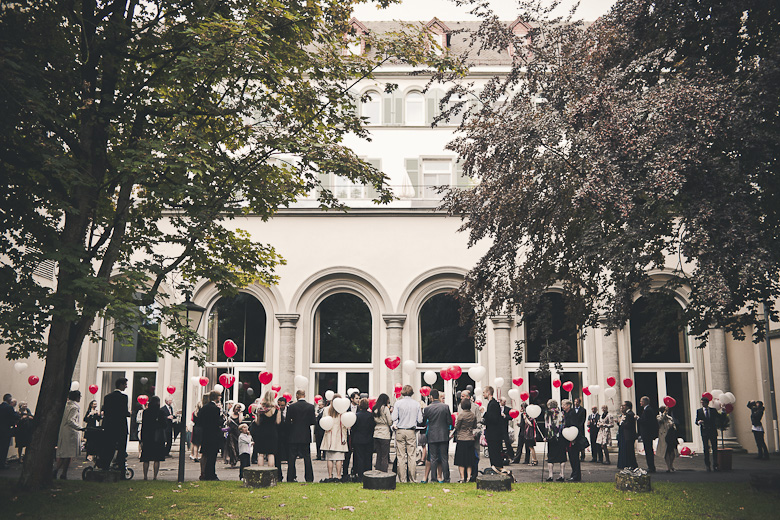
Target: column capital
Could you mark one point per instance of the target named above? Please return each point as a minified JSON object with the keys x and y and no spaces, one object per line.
{"x":288,"y":320}
{"x":394,"y":321}
{"x":501,"y":322}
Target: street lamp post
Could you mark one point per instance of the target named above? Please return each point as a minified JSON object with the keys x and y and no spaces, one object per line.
{"x":192,"y":314}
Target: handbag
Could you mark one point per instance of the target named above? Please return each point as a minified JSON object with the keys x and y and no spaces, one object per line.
{"x":581,"y":443}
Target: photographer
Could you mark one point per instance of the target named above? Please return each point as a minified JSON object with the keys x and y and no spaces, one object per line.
{"x":756,"y":414}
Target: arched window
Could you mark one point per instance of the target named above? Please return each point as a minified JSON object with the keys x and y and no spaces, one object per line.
{"x":241,"y":318}
{"x":442,"y":338}
{"x":134,"y":342}
{"x":551,"y":325}
{"x":371,"y":108}
{"x":342,"y":325}
{"x":658,"y":330}
{"x":414,"y":108}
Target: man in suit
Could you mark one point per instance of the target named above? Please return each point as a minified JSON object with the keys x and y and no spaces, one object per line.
{"x":300,"y":417}
{"x":437,"y":416}
{"x":282,"y":435}
{"x":211,"y":420}
{"x":115,"y":414}
{"x":572,"y":418}
{"x":493,"y":435}
{"x":582,"y":416}
{"x":706,"y":418}
{"x":648,"y":430}
{"x":354,"y":399}
{"x":8,"y":418}
{"x":170,"y":415}
{"x":593,"y":432}
{"x":362,"y":439}
{"x":506,"y":441}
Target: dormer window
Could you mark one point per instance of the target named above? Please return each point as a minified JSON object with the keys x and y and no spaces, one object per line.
{"x":520,"y":30}
{"x":355,"y":40}
{"x":440,"y":33}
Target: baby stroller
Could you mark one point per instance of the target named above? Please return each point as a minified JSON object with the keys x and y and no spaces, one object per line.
{"x":104,"y":452}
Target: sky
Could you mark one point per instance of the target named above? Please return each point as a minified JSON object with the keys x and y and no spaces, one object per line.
{"x":424,"y":10}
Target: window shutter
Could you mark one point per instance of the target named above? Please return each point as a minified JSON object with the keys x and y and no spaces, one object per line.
{"x":461,"y":180}
{"x":399,"y":110}
{"x":433,"y":99}
{"x":324,"y":179}
{"x":371,"y":191}
{"x":413,"y":171}
{"x":387,"y":105}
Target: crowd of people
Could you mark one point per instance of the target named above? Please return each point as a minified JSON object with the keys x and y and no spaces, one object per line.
{"x":272,"y":430}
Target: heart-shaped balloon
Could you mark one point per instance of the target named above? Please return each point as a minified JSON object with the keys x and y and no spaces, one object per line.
{"x":571,"y":433}
{"x":371,"y":403}
{"x":477,"y":373}
{"x":171,"y":389}
{"x":229,"y":348}
{"x":392,"y":362}
{"x":586,"y":390}
{"x":728,"y":408}
{"x":276,"y":388}
{"x":144,"y":380}
{"x":533,"y":410}
{"x":610,"y":392}
{"x":628,"y":382}
{"x":20,"y":366}
{"x":223,"y":379}
{"x":142,"y":399}
{"x":524,"y":396}
{"x":93,"y":389}
{"x":317,"y":399}
{"x":329,"y":395}
{"x":230,"y":380}
{"x":670,"y":401}
{"x":445,"y":374}
{"x":265,"y":377}
{"x":430,"y":377}
{"x":219,"y":388}
{"x":410,"y":366}
{"x":556,"y":383}
{"x":425,"y":391}
{"x":611,"y":381}
{"x":348,"y":419}
{"x":326,"y":423}
{"x":301,"y":382}
{"x":455,"y":371}
{"x":594,"y":389}
{"x":454,"y":418}
{"x":707,"y":396}
{"x":514,"y":413}
{"x":534,"y":394}
{"x":287,"y":397}
{"x":341,"y":404}
{"x":203,"y":381}
{"x":518,"y":381}
{"x":514,"y":394}
{"x":568,"y":386}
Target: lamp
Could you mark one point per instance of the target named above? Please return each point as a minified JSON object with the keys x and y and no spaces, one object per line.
{"x":190,"y":314}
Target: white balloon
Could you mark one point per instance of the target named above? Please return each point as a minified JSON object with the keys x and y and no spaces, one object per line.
{"x":410,"y":366}
{"x":195,"y":380}
{"x":478,"y":391}
{"x":301,"y":382}
{"x":20,"y":366}
{"x":571,"y":433}
{"x":594,"y":389}
{"x":716,"y":404}
{"x":144,"y":380}
{"x":219,"y":388}
{"x":430,"y":377}
{"x":499,"y":382}
{"x":534,"y":410}
{"x":716,"y":393}
{"x":514,"y":393}
{"x":74,"y":385}
{"x":326,"y":422}
{"x":329,"y":395}
{"x":477,"y":373}
{"x":348,"y":419}
{"x":351,"y":391}
{"x":341,"y":404}
{"x":731,"y":398}
{"x":610,"y":392}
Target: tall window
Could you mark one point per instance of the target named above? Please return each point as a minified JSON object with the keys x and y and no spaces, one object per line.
{"x":658,"y":330}
{"x":551,"y":326}
{"x":371,"y":109}
{"x":435,"y":172}
{"x":134,"y":342}
{"x":414,"y":108}
{"x":442,"y":338}
{"x":241,"y":318}
{"x":342,"y":325}
{"x":345,"y":188}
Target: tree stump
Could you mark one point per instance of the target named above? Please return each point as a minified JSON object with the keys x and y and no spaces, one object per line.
{"x":260,"y":477}
{"x":110,"y":475}
{"x":378,"y":480}
{"x":497,"y":482}
{"x":765,"y":481}
{"x":626,"y":481}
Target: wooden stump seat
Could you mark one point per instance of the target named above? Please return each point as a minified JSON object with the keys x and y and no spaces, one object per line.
{"x":497,"y":482}
{"x":260,"y":477}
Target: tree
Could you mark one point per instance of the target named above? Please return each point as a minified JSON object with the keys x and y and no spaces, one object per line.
{"x":133,"y":132}
{"x":646,"y":139}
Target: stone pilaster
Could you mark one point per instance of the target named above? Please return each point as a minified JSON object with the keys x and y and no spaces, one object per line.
{"x":395,"y":328}
{"x":288,"y":324}
{"x":610,"y":358}
{"x":503,"y":350}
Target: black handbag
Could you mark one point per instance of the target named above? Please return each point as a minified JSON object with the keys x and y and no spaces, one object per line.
{"x":581,"y":443}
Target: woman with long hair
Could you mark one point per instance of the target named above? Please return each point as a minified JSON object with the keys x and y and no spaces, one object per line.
{"x":153,"y":436}
{"x":234,"y":418}
{"x":604,"y":438}
{"x":667,"y":437}
{"x":334,"y":442}
{"x":91,"y":419}
{"x":556,"y":444}
{"x":68,"y":439}
{"x":264,"y":430}
{"x":197,"y":433}
{"x":528,"y":429}
{"x":464,"y":439}
{"x":382,"y":431}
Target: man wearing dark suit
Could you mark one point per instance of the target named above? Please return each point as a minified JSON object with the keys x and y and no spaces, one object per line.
{"x":362,"y":439}
{"x":354,"y":399}
{"x":706,"y":418}
{"x":493,"y":423}
{"x":593,"y":431}
{"x":648,"y":430}
{"x":211,"y":420}
{"x":8,"y":417}
{"x":169,"y":414}
{"x":115,"y":414}
{"x":438,"y":418}
{"x":282,"y":435}
{"x":506,"y":441}
{"x":300,"y":416}
{"x":572,"y":418}
{"x":582,"y":416}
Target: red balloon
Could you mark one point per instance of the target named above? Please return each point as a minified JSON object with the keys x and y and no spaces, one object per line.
{"x":524,"y":396}
{"x":728,"y":408}
{"x":287,"y":397}
{"x":611,"y":381}
{"x":670,"y":402}
{"x":371,"y":402}
{"x":628,"y":382}
{"x":425,"y":391}
{"x":514,"y":413}
{"x":229,"y":381}
{"x":398,"y":387}
{"x":317,"y":399}
{"x":568,"y":386}
{"x":204,"y":381}
{"x":142,"y":399}
{"x":586,"y":390}
{"x":534,"y":394}
{"x":454,"y":417}
{"x":392,"y":362}
{"x":246,"y":385}
{"x":93,"y":389}
{"x":33,"y":380}
{"x":557,"y":383}
{"x":445,"y":374}
{"x":479,"y":403}
{"x":455,"y":371}
{"x":276,"y":388}
{"x":171,"y":389}
{"x":265,"y":377}
{"x":685,"y":450}
{"x":518,"y":381}
{"x":707,"y":396}
{"x":223,"y":379}
{"x":229,"y":348}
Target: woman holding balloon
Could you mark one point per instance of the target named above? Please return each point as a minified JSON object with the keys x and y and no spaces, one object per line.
{"x":604,"y":437}
{"x":334,"y":442}
{"x":556,"y":444}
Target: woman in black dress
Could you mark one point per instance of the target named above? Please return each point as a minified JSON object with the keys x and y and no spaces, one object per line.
{"x":231,"y":442}
{"x":153,"y":436}
{"x":23,"y":429}
{"x":263,"y":429}
{"x":91,"y":419}
{"x":556,"y":444}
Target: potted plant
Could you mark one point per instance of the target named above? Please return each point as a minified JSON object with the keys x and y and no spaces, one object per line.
{"x":724,"y":454}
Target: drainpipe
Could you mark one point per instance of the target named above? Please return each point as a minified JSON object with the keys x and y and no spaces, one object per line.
{"x":770,"y":368}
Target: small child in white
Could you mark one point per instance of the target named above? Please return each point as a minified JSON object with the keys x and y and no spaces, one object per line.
{"x":244,"y":448}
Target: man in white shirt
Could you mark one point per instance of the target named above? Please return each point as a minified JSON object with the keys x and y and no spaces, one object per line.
{"x":406,"y":414}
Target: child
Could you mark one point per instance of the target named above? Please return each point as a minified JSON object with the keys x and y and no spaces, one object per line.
{"x":244,"y":448}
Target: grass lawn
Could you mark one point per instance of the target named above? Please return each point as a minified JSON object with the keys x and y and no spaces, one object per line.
{"x":193,"y":500}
